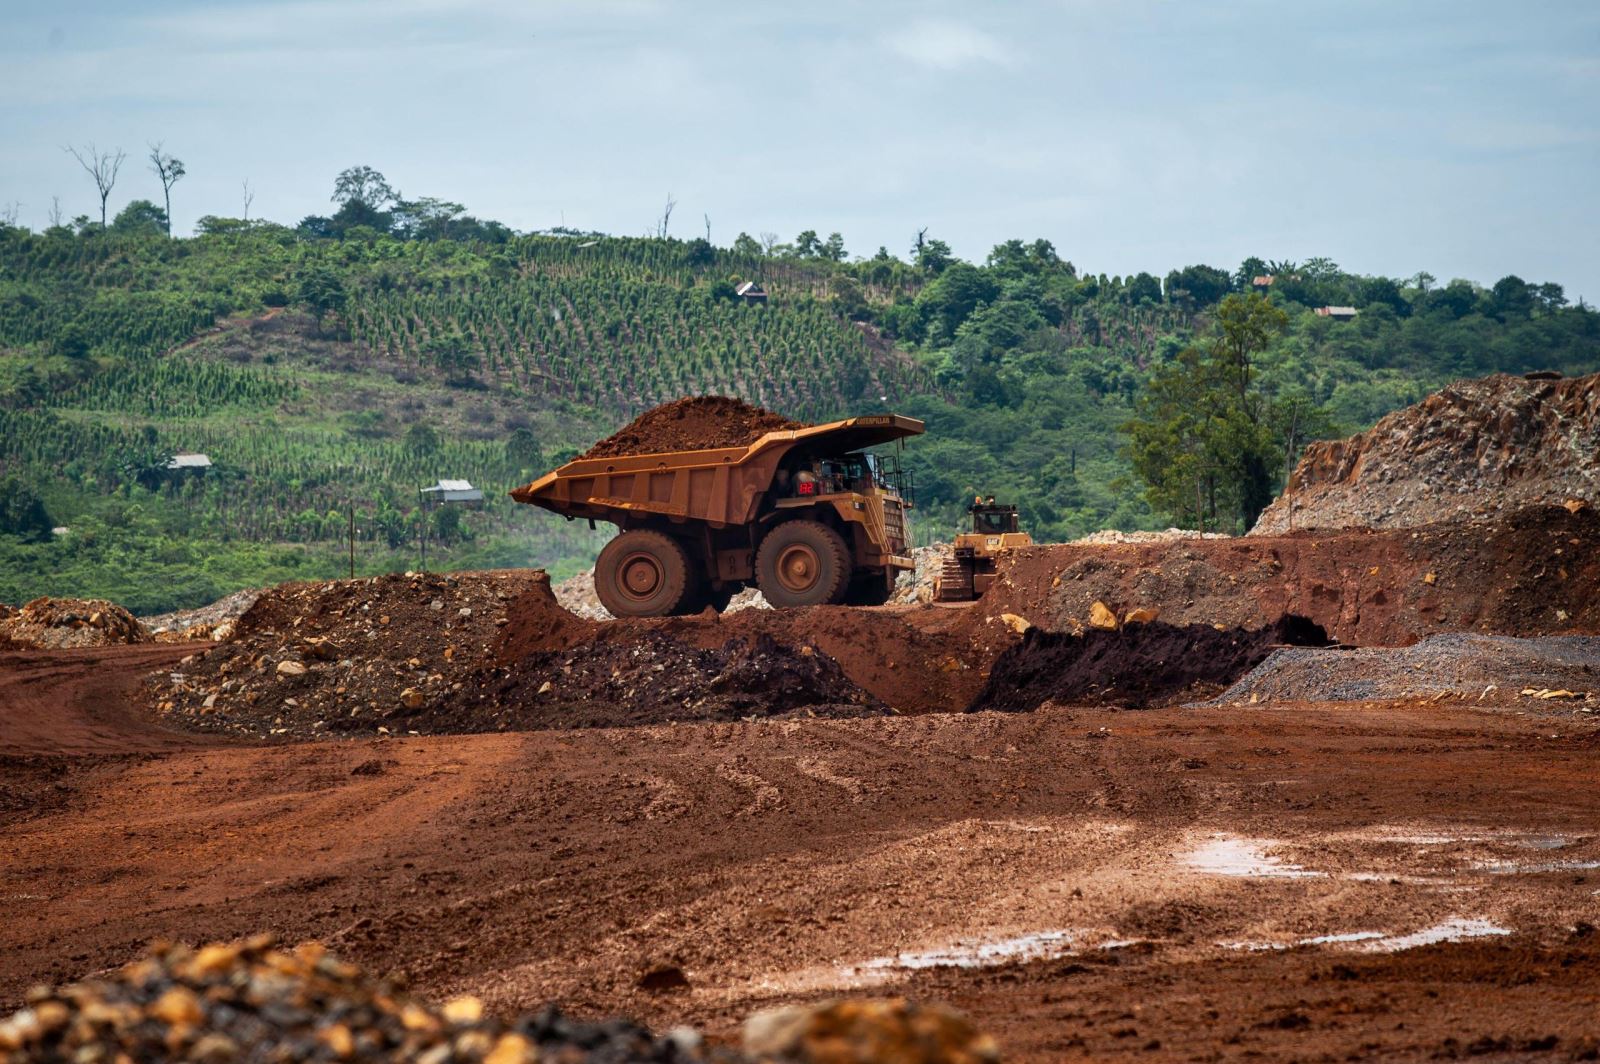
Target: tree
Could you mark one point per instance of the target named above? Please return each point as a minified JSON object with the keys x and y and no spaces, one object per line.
{"x":321,"y":291}
{"x":1203,"y":437}
{"x":103,"y":167}
{"x":169,"y":171}
{"x":833,"y":249}
{"x":1202,"y":285}
{"x":422,"y":439}
{"x":141,"y":217}
{"x":931,"y":255}
{"x":363,"y":185}
{"x":522,"y":449}
{"x":22,"y":511}
{"x":807,"y":245}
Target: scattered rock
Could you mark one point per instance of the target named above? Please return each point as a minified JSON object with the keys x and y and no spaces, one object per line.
{"x":251,"y":1001}
{"x":1100,"y":616}
{"x":291,"y":668}
{"x":412,"y":698}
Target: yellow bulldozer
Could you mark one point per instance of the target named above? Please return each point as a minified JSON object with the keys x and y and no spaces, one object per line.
{"x":971,"y":566}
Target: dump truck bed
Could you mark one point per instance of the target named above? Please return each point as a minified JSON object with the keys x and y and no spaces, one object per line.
{"x":720,"y":486}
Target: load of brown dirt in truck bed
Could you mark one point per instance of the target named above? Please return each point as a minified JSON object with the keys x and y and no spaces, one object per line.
{"x":1473,"y":449}
{"x":1532,"y":572}
{"x":693,"y":424}
{"x":1137,"y":665}
{"x":652,"y":678}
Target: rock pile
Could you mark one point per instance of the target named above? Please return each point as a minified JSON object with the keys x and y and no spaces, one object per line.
{"x":56,"y":624}
{"x":365,"y":656}
{"x":253,"y":1002}
{"x":1474,"y":449}
{"x":697,"y":423}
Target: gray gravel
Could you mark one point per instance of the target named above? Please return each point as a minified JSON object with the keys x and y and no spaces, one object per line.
{"x":1488,"y":668}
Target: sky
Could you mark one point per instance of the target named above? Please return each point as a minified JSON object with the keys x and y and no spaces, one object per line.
{"x":1453,"y":136}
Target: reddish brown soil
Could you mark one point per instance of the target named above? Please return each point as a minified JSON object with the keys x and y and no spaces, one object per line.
{"x":693,"y":424}
{"x":1535,"y":572}
{"x":1138,"y":665}
{"x":781,"y":860}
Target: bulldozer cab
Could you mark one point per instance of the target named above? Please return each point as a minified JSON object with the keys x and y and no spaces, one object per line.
{"x":990,"y":519}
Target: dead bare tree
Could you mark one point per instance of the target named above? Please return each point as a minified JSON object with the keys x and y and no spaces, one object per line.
{"x":666,"y":217}
{"x":10,"y":212}
{"x":169,"y":170}
{"x":55,"y":212}
{"x":768,"y":242}
{"x":707,"y":217}
{"x":249,"y":198}
{"x":103,"y":167}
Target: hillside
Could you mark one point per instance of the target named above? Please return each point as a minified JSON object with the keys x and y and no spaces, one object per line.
{"x":329,"y":372}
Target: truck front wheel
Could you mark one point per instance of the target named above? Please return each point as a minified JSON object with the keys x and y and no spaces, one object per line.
{"x":643,"y":574}
{"x":802,"y":563}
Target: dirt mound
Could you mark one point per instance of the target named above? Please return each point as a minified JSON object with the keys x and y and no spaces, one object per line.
{"x":251,"y":1001}
{"x":1138,"y":665}
{"x":651,"y":678}
{"x":693,"y":424}
{"x":1475,"y":448}
{"x":1562,"y":672}
{"x":355,"y":656}
{"x":1532,"y":572}
{"x":56,"y":624}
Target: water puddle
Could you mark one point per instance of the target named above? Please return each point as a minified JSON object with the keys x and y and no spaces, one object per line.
{"x":1230,"y":855}
{"x":1037,"y":946}
{"x":1513,"y":868}
{"x":1455,"y":929}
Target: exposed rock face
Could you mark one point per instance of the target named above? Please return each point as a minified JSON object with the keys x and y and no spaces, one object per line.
{"x":1474,"y":449}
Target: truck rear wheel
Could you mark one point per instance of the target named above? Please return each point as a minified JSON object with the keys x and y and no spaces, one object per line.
{"x":802,"y":563}
{"x":643,"y":574}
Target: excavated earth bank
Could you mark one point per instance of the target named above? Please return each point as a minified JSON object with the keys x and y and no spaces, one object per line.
{"x":1136,"y":666}
{"x":698,"y":423}
{"x":1535,"y":571}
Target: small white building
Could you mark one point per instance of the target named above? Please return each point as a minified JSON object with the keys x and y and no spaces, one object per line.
{"x":1337,"y":313}
{"x":198,"y":462}
{"x":453,"y":491}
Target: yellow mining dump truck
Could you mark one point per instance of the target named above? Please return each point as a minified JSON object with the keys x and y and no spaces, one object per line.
{"x":971,"y":567}
{"x":808,"y":515}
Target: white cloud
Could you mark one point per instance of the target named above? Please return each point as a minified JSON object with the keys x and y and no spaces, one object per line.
{"x":943,"y":45}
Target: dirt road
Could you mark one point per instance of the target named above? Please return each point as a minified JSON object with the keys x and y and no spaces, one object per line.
{"x":1170,"y":883}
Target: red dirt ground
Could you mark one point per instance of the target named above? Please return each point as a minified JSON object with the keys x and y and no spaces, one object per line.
{"x":1172,"y":861}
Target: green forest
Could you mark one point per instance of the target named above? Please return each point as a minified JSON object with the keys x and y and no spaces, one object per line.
{"x":331,"y":368}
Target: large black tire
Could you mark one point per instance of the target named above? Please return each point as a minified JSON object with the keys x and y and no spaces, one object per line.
{"x":802,"y":563}
{"x":644,"y":574}
{"x":870,"y":589}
